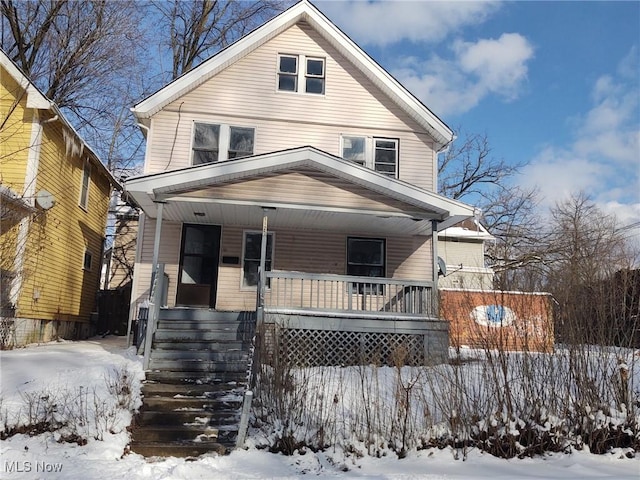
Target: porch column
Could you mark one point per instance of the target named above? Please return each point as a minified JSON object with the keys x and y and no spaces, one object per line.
{"x":434,"y":265}
{"x":263,"y":262}
{"x":156,"y":243}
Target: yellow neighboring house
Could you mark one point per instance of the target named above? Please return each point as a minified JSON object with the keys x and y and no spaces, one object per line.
{"x":54,"y":200}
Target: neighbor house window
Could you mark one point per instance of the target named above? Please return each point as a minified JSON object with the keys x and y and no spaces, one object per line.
{"x":299,"y":73}
{"x":88,"y":260}
{"x":377,"y":153}
{"x":219,"y":142}
{"x":84,"y":188}
{"x":251,"y":257}
{"x":366,"y":257}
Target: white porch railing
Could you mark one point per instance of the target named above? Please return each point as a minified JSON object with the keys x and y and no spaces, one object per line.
{"x":343,"y":293}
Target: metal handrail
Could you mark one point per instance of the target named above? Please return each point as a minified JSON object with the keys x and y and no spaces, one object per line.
{"x":155,"y":301}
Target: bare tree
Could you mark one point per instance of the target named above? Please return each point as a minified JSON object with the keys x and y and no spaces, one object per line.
{"x":85,"y":57}
{"x":199,"y":29}
{"x":468,"y":171}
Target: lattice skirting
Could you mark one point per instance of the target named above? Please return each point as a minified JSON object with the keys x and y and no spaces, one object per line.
{"x":304,"y":347}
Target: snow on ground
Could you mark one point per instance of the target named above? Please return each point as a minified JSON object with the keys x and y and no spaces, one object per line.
{"x":83,"y":366}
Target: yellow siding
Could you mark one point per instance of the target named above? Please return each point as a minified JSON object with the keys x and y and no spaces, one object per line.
{"x":56,"y":286}
{"x":15,"y":134}
{"x":245,"y":94}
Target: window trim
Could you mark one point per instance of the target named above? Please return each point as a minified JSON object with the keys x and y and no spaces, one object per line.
{"x":243,"y":286}
{"x":301,"y":75}
{"x":87,"y":254}
{"x":370,"y":152}
{"x":382,"y":240}
{"x":224,"y":140}
{"x":83,"y":202}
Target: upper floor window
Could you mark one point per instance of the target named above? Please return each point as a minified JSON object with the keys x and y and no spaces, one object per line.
{"x":377,"y":153}
{"x":216,"y":143}
{"x":299,"y":73}
{"x":84,"y":187}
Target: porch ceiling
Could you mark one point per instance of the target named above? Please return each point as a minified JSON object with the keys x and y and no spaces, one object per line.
{"x":287,"y":216}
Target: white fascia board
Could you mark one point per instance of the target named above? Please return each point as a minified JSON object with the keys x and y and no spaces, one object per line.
{"x":160,"y":186}
{"x":302,"y":11}
{"x":35,"y":98}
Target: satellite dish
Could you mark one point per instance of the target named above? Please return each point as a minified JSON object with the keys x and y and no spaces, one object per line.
{"x":45,"y":200}
{"x":442,"y":267}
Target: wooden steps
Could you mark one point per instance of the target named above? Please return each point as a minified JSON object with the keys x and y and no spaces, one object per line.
{"x":192,"y":396}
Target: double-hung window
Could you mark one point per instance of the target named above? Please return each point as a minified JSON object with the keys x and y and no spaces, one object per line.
{"x":377,"y":153}
{"x":219,"y":142}
{"x":84,"y":187}
{"x":299,"y":73}
{"x":251,"y":257}
{"x":366,"y":257}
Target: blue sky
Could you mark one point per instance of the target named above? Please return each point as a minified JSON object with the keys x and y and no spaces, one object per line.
{"x":552,"y":84}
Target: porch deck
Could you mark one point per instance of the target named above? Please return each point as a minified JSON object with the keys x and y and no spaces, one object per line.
{"x":318,"y":319}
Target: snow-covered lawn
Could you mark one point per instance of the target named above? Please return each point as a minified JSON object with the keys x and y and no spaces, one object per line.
{"x":78,"y":373}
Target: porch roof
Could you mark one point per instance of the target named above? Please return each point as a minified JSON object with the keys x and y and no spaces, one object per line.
{"x":176,"y":190}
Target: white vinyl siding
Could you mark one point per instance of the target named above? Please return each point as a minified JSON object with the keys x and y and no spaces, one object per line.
{"x":246,"y":92}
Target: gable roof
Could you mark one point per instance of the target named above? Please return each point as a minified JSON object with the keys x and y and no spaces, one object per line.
{"x":147,"y":189}
{"x":39,"y":101}
{"x":303,"y":11}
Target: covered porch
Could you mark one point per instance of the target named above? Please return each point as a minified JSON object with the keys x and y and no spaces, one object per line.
{"x":310,"y":242}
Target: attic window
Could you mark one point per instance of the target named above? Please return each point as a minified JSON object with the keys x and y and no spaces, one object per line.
{"x":293,"y":78}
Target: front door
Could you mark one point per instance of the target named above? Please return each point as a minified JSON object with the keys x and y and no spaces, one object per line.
{"x":199,"y":255}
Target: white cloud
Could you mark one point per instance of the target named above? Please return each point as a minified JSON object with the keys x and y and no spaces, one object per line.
{"x":384,"y":23}
{"x":477,"y":69}
{"x":603,"y":160}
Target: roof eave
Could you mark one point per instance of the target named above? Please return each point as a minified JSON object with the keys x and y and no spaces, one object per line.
{"x":163,"y":185}
{"x":303,"y":11}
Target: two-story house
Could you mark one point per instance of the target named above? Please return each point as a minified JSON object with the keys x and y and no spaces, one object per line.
{"x":293,"y":121}
{"x":54,"y":198}
{"x":296,"y":132}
